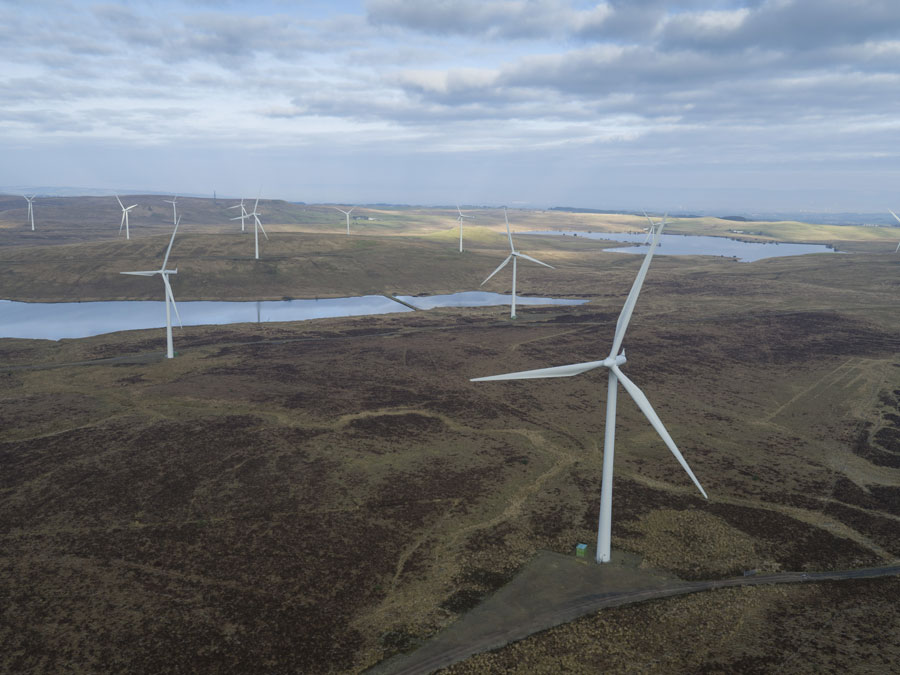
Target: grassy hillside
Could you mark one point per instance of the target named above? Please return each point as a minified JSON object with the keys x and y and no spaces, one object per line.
{"x":317,"y":496}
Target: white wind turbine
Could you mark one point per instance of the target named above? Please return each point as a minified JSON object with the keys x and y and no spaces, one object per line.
{"x":30,"y":215}
{"x":125,"y":210}
{"x":612,"y":363}
{"x":174,"y":213}
{"x":650,"y":231}
{"x":346,"y":213}
{"x":514,"y":255}
{"x":164,"y":273}
{"x":892,"y":213}
{"x":462,"y":216}
{"x":257,"y":226}
{"x":243,"y":215}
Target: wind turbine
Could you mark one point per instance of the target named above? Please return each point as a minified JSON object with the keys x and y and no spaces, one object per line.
{"x":892,"y":213}
{"x":650,"y":231}
{"x":172,"y":202}
{"x":243,"y":213}
{"x":257,"y":226}
{"x":164,"y":273}
{"x":460,"y":218}
{"x":30,"y":215}
{"x":124,"y":222}
{"x":514,"y":255}
{"x":612,"y":363}
{"x":346,"y":213}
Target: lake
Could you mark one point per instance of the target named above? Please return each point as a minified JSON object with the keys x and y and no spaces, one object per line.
{"x":59,"y":320}
{"x":479,"y":299}
{"x":678,"y":244}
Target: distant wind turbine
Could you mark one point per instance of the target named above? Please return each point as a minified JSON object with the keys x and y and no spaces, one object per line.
{"x":346,"y":213}
{"x":164,"y":273}
{"x":124,"y":222}
{"x":174,"y":213}
{"x":30,"y":215}
{"x":460,"y":218}
{"x":514,"y":255}
{"x":612,"y":363}
{"x":650,"y":231}
{"x":892,"y":213}
{"x":257,"y":226}
{"x":243,"y":215}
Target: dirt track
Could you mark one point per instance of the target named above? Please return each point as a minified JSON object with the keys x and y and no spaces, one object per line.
{"x":483,"y":629}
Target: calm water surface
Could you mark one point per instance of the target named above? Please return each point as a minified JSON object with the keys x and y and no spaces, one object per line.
{"x":480,"y":299}
{"x":677,"y":244}
{"x":58,"y":320}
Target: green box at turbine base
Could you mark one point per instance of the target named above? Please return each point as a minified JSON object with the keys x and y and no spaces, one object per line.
{"x":581,"y":551}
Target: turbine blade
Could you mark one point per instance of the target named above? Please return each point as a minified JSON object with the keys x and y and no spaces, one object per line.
{"x":131,"y":207}
{"x":122,"y":224}
{"x":895,"y":216}
{"x":508,"y":233}
{"x":171,"y":298}
{"x":171,"y":241}
{"x":142,"y":274}
{"x":119,"y":200}
{"x":502,"y":265}
{"x":528,"y":257}
{"x":262,"y":229}
{"x":651,"y":415}
{"x":628,"y":308}
{"x":556,"y":371}
{"x":898,"y":248}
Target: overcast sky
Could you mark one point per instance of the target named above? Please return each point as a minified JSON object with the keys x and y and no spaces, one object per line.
{"x":715,"y":104}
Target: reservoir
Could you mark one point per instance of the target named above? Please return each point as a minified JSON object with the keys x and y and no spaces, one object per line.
{"x":678,"y":244}
{"x":59,"y":320}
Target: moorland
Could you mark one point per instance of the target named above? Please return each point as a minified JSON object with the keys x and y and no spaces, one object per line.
{"x":319,"y":496}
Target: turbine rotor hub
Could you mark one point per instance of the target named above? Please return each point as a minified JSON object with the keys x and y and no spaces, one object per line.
{"x":611,"y":361}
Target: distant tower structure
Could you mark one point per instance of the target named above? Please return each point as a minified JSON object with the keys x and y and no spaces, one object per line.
{"x":214,"y":197}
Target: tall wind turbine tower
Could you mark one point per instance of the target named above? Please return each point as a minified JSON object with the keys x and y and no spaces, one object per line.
{"x":346,"y":213}
{"x":174,"y":213}
{"x":125,"y":210}
{"x":257,"y":226}
{"x":612,"y":363}
{"x":514,"y":255}
{"x":892,"y":213}
{"x":243,"y":215}
{"x":30,"y":215}
{"x":164,"y":273}
{"x":460,"y":218}
{"x":650,"y":231}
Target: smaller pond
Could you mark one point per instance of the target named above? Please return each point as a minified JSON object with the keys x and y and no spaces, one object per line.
{"x":480,"y":299}
{"x":678,"y":244}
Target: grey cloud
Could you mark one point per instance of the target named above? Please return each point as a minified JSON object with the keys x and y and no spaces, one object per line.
{"x":790,"y":25}
{"x":506,"y":18}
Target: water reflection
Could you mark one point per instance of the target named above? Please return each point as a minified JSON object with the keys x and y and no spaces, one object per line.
{"x":677,"y":244}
